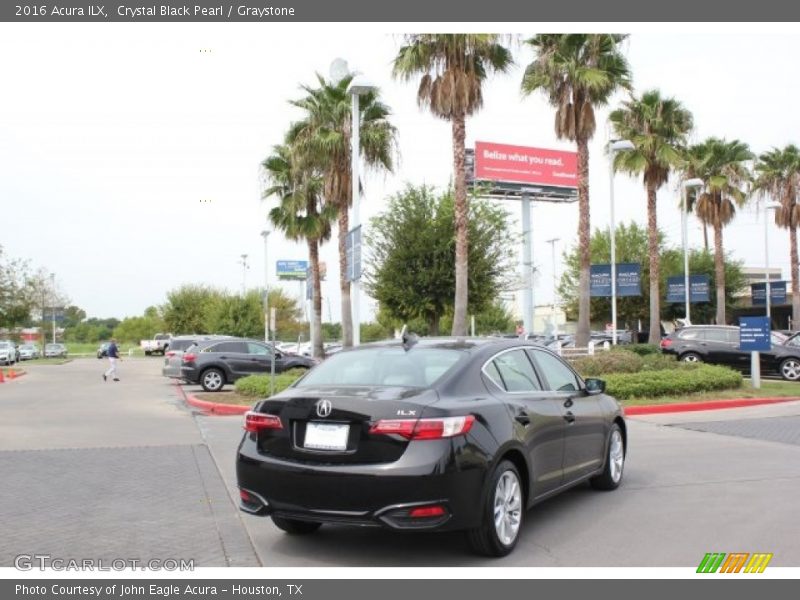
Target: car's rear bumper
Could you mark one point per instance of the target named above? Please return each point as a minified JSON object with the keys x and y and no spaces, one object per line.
{"x":380,"y":495}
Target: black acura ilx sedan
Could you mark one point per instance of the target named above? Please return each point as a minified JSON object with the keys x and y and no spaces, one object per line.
{"x":429,"y":434}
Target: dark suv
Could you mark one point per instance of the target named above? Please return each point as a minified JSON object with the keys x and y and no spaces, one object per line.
{"x":214,"y":363}
{"x":719,"y":345}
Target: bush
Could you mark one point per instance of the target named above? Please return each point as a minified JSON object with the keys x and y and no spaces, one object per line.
{"x":658,"y":362}
{"x":643,"y":349}
{"x":670,"y":382}
{"x":604,"y":363}
{"x":258,"y":385}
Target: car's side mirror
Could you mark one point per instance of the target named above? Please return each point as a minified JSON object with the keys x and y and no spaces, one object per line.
{"x":595,"y":386}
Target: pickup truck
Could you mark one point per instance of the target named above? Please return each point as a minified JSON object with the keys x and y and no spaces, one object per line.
{"x":158,"y":345}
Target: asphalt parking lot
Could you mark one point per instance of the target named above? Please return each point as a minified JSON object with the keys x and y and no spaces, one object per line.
{"x":102,"y":469}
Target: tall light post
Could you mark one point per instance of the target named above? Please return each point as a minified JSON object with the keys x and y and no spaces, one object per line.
{"x":687,"y":291}
{"x":243,"y":262}
{"x":552,"y":243}
{"x":53,"y":303}
{"x":359,"y":86}
{"x":768,"y":206}
{"x":265,"y":234}
{"x":614,"y":146}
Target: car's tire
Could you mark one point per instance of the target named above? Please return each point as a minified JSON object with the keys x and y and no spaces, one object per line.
{"x":295,"y":527}
{"x":212,"y":380}
{"x":790,"y":369}
{"x":503,"y":509}
{"x":691,"y":357}
{"x":611,"y":476}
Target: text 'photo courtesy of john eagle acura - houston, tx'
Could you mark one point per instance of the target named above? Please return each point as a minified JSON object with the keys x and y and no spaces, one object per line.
{"x":429,"y":434}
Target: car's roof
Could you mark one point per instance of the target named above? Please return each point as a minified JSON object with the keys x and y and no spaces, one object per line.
{"x":457,"y":343}
{"x":708,"y":327}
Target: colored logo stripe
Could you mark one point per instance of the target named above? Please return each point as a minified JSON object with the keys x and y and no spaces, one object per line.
{"x":734,"y":563}
{"x":711,"y":562}
{"x":758,"y":562}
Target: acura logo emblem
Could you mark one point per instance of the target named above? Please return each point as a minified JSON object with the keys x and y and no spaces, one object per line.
{"x":324,"y":408}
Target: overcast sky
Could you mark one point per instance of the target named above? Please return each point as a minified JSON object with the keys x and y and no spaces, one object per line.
{"x":129,"y":153}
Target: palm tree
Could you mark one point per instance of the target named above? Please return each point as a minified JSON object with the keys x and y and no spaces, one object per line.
{"x":722,"y":165}
{"x":453,"y":68}
{"x":323,"y":138}
{"x":658,"y":128}
{"x":778,"y":176}
{"x":578,"y":72}
{"x":301,"y":216}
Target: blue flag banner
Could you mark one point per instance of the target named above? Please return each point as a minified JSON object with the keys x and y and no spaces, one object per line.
{"x":777,"y":293}
{"x":629,"y":280}
{"x":699,"y":289}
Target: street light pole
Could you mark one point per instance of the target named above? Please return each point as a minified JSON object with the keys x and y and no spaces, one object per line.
{"x":53,"y":302}
{"x":265,"y":235}
{"x":243,"y":262}
{"x":552,"y":243}
{"x":614,"y":147}
{"x":358,"y":86}
{"x":768,"y":206}
{"x":687,"y":291}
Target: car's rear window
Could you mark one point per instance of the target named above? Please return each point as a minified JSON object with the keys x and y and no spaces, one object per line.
{"x":418,"y":367}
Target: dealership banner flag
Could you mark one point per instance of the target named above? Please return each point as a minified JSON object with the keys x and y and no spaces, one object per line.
{"x":699,"y":289}
{"x":629,"y":280}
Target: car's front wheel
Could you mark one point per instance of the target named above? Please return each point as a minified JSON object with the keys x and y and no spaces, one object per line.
{"x":611,"y":476}
{"x":295,"y":527}
{"x":503,"y":510}
{"x":790,"y":369}
{"x":212,"y":380}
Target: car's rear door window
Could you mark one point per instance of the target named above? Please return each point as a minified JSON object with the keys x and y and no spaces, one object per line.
{"x":516,"y":372}
{"x":230,"y":347}
{"x":692,"y":334}
{"x":720,"y":336}
{"x":257,"y":349}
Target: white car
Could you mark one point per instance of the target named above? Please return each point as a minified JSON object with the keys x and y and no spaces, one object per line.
{"x":29,"y":351}
{"x":8,"y":353}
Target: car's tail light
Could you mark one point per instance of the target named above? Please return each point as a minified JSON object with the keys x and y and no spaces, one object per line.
{"x":255,"y":422}
{"x":427,"y":512}
{"x":424,"y":429}
{"x":666,"y":343}
{"x":170,"y":353}
{"x":187,"y":358}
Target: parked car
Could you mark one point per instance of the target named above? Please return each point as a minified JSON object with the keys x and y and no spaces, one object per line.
{"x":173,"y":358}
{"x":158,"y":345}
{"x":444,"y":434}
{"x":55,"y":351}
{"x":8,"y":352}
{"x":29,"y":352}
{"x":719,"y":345}
{"x":102,"y":350}
{"x":214,"y":363}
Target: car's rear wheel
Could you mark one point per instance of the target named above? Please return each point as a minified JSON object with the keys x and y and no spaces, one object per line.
{"x":790,"y":369}
{"x":611,"y":476}
{"x":503,"y":510}
{"x":691,"y":357}
{"x":295,"y":527}
{"x":212,"y":380}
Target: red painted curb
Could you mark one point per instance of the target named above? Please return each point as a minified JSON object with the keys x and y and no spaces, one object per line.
{"x":212,"y":408}
{"x":653,"y":409}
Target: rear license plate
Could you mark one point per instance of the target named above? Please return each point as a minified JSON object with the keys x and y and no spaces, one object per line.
{"x":326,"y":436}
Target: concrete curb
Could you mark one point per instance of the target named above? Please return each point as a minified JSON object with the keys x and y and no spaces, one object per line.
{"x":654,"y":409}
{"x":212,"y":408}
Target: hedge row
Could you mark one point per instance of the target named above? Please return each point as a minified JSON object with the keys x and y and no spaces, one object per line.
{"x":258,"y":385}
{"x":624,"y":361}
{"x":671,"y":382}
{"x":643,"y":349}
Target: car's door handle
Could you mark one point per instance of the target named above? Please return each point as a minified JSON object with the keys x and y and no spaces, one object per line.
{"x":523,"y":419}
{"x":568,"y":403}
{"x":569,"y":417}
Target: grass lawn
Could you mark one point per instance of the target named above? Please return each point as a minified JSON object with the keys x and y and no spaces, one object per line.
{"x":768,"y":389}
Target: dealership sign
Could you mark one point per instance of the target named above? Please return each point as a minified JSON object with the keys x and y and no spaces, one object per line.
{"x":777,"y":293}
{"x":699,"y":288}
{"x":628,"y":280}
{"x":525,"y":165}
{"x":292,"y":269}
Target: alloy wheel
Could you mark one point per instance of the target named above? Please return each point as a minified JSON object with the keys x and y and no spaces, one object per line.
{"x":507,"y":508}
{"x":616,"y":455}
{"x":790,"y":369}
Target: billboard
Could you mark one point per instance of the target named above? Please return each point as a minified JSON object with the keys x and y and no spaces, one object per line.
{"x":292,"y":269}
{"x":777,"y":293}
{"x":522,"y":164}
{"x":699,"y":288}
{"x":628,"y":280}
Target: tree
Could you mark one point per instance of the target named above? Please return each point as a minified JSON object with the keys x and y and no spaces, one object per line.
{"x":410,"y":271}
{"x":187,"y":308}
{"x":632,"y":245}
{"x":323,"y":137}
{"x":658,"y":128}
{"x":300,"y":215}
{"x":722,"y":166}
{"x":778,"y":176}
{"x":15,"y":302}
{"x":238,"y":315}
{"x":578,"y":72}
{"x":134,"y":329}
{"x":453,"y":68}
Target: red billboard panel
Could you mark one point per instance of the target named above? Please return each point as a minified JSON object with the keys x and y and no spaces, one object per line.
{"x":521,"y":164}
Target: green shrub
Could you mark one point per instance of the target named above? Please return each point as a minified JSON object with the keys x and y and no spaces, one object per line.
{"x":672,"y":382}
{"x":603,"y":363}
{"x":643,"y":349}
{"x":659,"y":362}
{"x":258,"y":385}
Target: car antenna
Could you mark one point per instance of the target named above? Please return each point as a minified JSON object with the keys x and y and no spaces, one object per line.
{"x":409,"y":339}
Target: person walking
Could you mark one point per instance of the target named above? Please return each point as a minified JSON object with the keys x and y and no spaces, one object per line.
{"x":113,"y":357}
